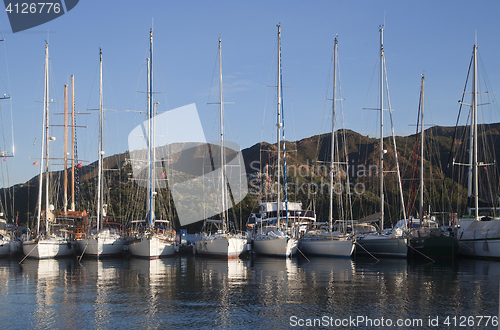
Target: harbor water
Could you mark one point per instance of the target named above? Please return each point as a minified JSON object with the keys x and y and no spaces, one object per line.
{"x":190,"y":292}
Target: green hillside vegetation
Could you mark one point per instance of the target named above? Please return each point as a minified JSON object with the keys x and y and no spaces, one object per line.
{"x":308,"y":179}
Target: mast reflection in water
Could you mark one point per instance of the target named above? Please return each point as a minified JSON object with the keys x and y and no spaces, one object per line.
{"x":260,"y":292}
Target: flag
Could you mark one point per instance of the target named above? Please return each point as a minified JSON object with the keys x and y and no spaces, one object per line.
{"x":162,"y":176}
{"x":79,"y":165}
{"x":35,"y":163}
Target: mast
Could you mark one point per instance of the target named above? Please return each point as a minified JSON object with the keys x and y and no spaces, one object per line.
{"x":381,"y":170}
{"x":100,"y":182}
{"x":47,"y":139}
{"x":278,"y":125}
{"x":285,"y":182}
{"x":65,"y":201}
{"x":44,"y":137}
{"x":72,"y":142}
{"x":421,"y":204}
{"x":151,"y":185}
{"x":330,"y":216}
{"x":474,"y":129}
{"x":222,"y":151}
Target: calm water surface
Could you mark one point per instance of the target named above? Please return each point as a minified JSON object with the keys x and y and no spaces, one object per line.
{"x":255,"y":293}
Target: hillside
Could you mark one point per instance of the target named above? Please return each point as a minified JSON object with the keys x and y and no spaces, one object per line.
{"x":308,"y":177}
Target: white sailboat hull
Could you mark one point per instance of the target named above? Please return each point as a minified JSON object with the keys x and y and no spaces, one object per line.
{"x":479,"y":238}
{"x":152,"y":247}
{"x":327,"y":247}
{"x":480,"y":248}
{"x":280,"y":246}
{"x":101,"y":247}
{"x":222,"y":246}
{"x":49,"y":248}
{"x":383,"y":246}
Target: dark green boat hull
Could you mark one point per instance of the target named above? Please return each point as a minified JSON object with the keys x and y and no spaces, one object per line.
{"x":433,"y":247}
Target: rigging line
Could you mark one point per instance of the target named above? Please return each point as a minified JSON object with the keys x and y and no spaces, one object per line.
{"x":291,"y":100}
{"x":340,"y":196}
{"x":8,"y":81}
{"x":214,"y":116}
{"x":461,"y":102}
{"x":320,"y":139}
{"x":344,"y":134}
{"x":9,"y":89}
{"x":3,"y":130}
{"x":156,"y":69}
{"x":33,"y":130}
{"x":400,"y":185}
{"x":327,"y":90}
{"x":264,"y":121}
{"x":135,"y":95}
{"x":284,"y":153}
{"x":416,"y":153}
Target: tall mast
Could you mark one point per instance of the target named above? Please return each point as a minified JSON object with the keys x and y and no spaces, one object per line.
{"x":44,"y":137}
{"x":278,"y":125}
{"x":474,"y":128}
{"x":151,"y":158}
{"x":330,"y":215}
{"x":381,"y":170}
{"x":47,"y":139}
{"x":65,"y":201}
{"x":222,"y":151}
{"x":421,"y":204}
{"x":100,"y":191}
{"x":72,"y":143}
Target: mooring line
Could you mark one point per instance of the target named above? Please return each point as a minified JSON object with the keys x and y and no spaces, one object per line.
{"x":367,"y":251}
{"x":303,"y":254}
{"x":420,"y":252}
{"x":28,"y":253}
{"x":85,"y":248}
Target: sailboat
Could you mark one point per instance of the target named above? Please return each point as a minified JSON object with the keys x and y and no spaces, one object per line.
{"x":223,"y":243}
{"x":55,"y":238}
{"x":274,"y":235}
{"x":427,"y":238}
{"x":151,"y":238}
{"x":328,"y":242}
{"x":478,"y":234}
{"x":101,"y":242}
{"x":369,"y":239}
{"x":9,"y":242}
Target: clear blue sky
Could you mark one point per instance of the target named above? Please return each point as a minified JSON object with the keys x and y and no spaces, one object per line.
{"x":430,"y":37}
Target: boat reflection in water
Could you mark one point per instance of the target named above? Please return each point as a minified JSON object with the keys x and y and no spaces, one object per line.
{"x":262,"y":292}
{"x":220,"y":269}
{"x":222,"y":283}
{"x":157,"y":275}
{"x":53,"y":304}
{"x":152,"y":289}
{"x":103,"y":281}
